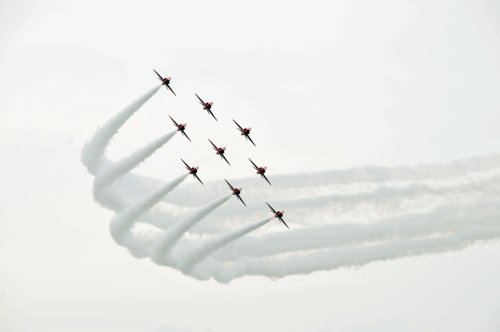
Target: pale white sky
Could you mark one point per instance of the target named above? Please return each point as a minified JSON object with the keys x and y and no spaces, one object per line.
{"x":324,"y":85}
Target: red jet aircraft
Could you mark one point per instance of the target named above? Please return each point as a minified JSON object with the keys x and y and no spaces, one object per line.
{"x":245,"y":132}
{"x":180,"y":127}
{"x":192,"y":170}
{"x":219,"y":151}
{"x":260,"y":170}
{"x":207,"y":106}
{"x":278,"y":214}
{"x":236,"y":191}
{"x":165,"y":81}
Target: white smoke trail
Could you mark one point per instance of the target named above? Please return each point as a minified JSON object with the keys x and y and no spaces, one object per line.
{"x":107,"y":176}
{"x":173,"y":234}
{"x":357,"y":256}
{"x":122,"y":223}
{"x":383,"y":201}
{"x":444,"y":220}
{"x":94,"y":150}
{"x":453,"y":175}
{"x":213,"y":245}
{"x":378,"y":174}
{"x":409,"y":211}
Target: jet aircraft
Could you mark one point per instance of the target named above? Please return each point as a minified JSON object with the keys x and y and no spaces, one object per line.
{"x":260,"y":170}
{"x":207,"y":106}
{"x":192,"y":170}
{"x":180,"y":127}
{"x":278,"y":214}
{"x":245,"y":132}
{"x":165,"y":81}
{"x":236,"y":191}
{"x":219,"y":151}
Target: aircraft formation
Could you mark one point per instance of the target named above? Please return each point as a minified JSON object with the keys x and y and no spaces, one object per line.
{"x":207,"y":106}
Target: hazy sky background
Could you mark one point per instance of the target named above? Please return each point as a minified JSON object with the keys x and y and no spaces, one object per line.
{"x":324,"y":85}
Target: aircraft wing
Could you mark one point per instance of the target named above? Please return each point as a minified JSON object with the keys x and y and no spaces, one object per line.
{"x":183,"y":133}
{"x":248,"y":136}
{"x":281,"y":219}
{"x":223,"y":157}
{"x":274,"y":211}
{"x":201,"y":101}
{"x":212,"y":114}
{"x":215,"y":147}
{"x":168,"y":87}
{"x":230,"y":186}
{"x":161,"y":78}
{"x":239,"y":127}
{"x":197,"y":178}
{"x":255,"y":166}
{"x":266,"y":178}
{"x":173,"y":121}
{"x":241,"y":200}
{"x":186,"y":164}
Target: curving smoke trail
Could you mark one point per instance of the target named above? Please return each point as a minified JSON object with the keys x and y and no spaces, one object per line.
{"x":94,"y":150}
{"x":445,"y":220}
{"x":375,"y":198}
{"x":384,"y":202}
{"x":171,"y":236}
{"x":357,"y":180}
{"x":122,"y":223}
{"x":340,"y":218}
{"x":346,"y":257}
{"x":105,"y":177}
{"x":208,"y":248}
